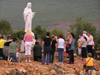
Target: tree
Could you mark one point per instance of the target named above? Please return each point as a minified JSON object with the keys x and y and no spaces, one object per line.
{"x":39,"y":32}
{"x":43,"y":33}
{"x":57,"y":32}
{"x":81,"y":26}
{"x":97,"y":39}
{"x":19,"y":34}
{"x":5,"y":27}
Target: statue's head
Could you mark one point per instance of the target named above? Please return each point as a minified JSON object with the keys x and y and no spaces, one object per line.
{"x":29,"y":4}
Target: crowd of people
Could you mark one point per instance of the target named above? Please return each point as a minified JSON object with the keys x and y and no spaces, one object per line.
{"x":85,"y":45}
{"x":9,"y":48}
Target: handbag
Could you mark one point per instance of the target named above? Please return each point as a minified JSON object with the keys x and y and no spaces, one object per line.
{"x":86,"y":63}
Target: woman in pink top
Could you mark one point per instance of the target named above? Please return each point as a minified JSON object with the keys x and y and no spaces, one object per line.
{"x":28,"y":38}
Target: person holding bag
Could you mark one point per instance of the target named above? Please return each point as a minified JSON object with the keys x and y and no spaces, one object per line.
{"x":88,"y":63}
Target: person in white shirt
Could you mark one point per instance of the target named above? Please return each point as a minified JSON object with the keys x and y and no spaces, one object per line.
{"x":60,"y":46}
{"x":83,"y":47}
{"x":84,"y":33}
{"x":79,"y":45}
{"x":89,"y":43}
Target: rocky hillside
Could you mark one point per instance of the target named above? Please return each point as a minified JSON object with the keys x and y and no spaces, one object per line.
{"x":65,"y":26}
{"x":36,"y":68}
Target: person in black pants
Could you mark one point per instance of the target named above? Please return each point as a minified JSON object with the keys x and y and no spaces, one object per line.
{"x":89,"y":43}
{"x":71,"y":56}
{"x":47,"y":42}
{"x":71,"y":48}
{"x":37,"y":52}
{"x":53,"y":46}
{"x":2,"y":42}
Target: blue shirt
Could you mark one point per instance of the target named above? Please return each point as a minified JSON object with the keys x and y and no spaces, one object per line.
{"x":72,"y":44}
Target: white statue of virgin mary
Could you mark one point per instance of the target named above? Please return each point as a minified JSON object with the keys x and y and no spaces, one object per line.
{"x":28,"y":16}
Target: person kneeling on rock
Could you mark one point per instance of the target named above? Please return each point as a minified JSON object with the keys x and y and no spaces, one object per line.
{"x":13,"y":49}
{"x":37,"y":52}
{"x":88,"y":63}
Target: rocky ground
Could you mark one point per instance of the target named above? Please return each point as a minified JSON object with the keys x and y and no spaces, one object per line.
{"x":36,"y":68}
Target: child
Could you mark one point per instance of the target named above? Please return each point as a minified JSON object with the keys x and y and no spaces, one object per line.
{"x":37,"y":52}
{"x":13,"y":49}
{"x":79,"y":45}
{"x":88,"y":63}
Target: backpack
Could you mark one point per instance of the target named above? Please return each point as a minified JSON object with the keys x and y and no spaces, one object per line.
{"x":67,"y":47}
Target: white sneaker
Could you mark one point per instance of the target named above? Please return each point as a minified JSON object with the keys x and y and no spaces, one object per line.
{"x":78,"y":57}
{"x":29,"y":60}
{"x":81,"y":72}
{"x":25,"y":60}
{"x":59,"y":62}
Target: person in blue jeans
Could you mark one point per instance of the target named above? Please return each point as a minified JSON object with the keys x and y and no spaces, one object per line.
{"x":13,"y":49}
{"x":60,"y":46}
{"x":47,"y":47}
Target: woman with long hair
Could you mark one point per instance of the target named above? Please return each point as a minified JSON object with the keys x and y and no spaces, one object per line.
{"x":71,"y":48}
{"x":84,"y":47}
{"x":28,"y":38}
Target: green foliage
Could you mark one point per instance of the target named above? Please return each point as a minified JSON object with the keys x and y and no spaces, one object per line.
{"x":19,"y":34}
{"x":97,"y":39}
{"x":43,"y":33}
{"x":81,"y":26}
{"x":39,"y":32}
{"x":57,"y":32}
{"x":98,"y":48}
{"x":5,"y":27}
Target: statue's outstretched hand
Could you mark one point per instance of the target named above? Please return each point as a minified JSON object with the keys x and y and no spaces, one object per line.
{"x":34,"y":12}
